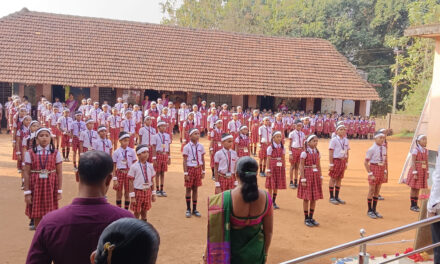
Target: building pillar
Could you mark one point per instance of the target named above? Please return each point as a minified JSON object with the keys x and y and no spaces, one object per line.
{"x":362,"y":108}
{"x":368,"y":108}
{"x":21,"y":90}
{"x":119,"y":92}
{"x":94,"y":93}
{"x":309,"y":104}
{"x":252,"y":101}
{"x":237,"y":100}
{"x":46,"y":90}
{"x":338,"y":106}
{"x":38,"y":91}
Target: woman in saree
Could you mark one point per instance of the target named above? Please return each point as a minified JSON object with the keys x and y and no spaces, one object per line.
{"x":240,"y":221}
{"x":72,"y":104}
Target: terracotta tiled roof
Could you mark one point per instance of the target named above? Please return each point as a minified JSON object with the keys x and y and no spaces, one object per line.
{"x":84,"y":52}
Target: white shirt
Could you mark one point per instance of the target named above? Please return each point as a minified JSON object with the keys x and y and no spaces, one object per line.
{"x":119,"y":106}
{"x":183,"y":114}
{"x":104,"y":145}
{"x":66,"y":123}
{"x":53,"y":118}
{"x":58,"y":104}
{"x":340,"y":147}
{"x":433,"y":205}
{"x":128,"y":125}
{"x":142,"y":174}
{"x":297,"y":138}
{"x":211,"y":120}
{"x":87,"y":137}
{"x":270,"y":148}
{"x":93,"y":113}
{"x":114,"y":121}
{"x":194,"y":152}
{"x":374,"y":154}
{"x":78,"y":127}
{"x":124,"y":157}
{"x":103,"y":118}
{"x":147,"y":134}
{"x":234,"y":126}
{"x":226,"y":159}
{"x":137,"y":116}
{"x":312,"y":151}
{"x":28,"y":160}
{"x":265,"y":133}
{"x":161,"y":140}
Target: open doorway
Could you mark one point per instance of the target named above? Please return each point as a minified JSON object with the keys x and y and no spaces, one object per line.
{"x":267,"y":102}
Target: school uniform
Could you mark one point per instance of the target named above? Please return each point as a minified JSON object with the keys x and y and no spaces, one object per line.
{"x":66,"y":125}
{"x":103,"y":144}
{"x":326,"y":126}
{"x":119,"y":106}
{"x":297,"y":146}
{"x":211,"y":121}
{"x":204,"y":112}
{"x":278,"y":126}
{"x":167,"y":119}
{"x":52,"y":121}
{"x":22,"y":133}
{"x":93,"y":114}
{"x":161,"y":142}
{"x":129,"y":126}
{"x":43,"y":181}
{"x":234,"y":128}
{"x":421,"y":169}
{"x":154,"y":114}
{"x":312,"y":173}
{"x":277,"y":167}
{"x":103,"y":118}
{"x":194,"y":154}
{"x":114,"y":124}
{"x":138,"y":118}
{"x":340,"y":149}
{"x":142,"y":176}
{"x":147,"y":134}
{"x":77,"y":128}
{"x":376,"y":156}
{"x":123,"y":159}
{"x":187,"y":125}
{"x":198,"y":120}
{"x":372,"y":126}
{"x":216,"y":138}
{"x":225,"y":116}
{"x":254,"y":125}
{"x":183,"y":115}
{"x":319,"y":124}
{"x":83,"y":109}
{"x":87,"y":137}
{"x":265,"y":134}
{"x":242,"y":143}
{"x":226,"y":161}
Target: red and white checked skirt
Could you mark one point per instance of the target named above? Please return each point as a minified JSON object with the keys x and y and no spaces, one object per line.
{"x":123,"y":180}
{"x":242,"y":153}
{"x":44,"y":193}
{"x":55,"y":131}
{"x":14,"y":154}
{"x":313,"y":189}
{"x":75,"y":143}
{"x":226,"y":183}
{"x":296,"y":154}
{"x":143,"y":201}
{"x":338,"y":169}
{"x":114,"y":134}
{"x":65,"y":141}
{"x":263,"y":151}
{"x":136,"y":129}
{"x":422,"y":178}
{"x":131,"y":141}
{"x":277,"y":180}
{"x":161,"y":163}
{"x":254,"y":135}
{"x":378,"y":173}
{"x":195,"y":177}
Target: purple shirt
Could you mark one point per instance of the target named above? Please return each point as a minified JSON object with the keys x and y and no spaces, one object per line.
{"x":70,"y":234}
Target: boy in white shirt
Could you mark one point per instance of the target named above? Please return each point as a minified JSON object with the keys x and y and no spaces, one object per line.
{"x":65,"y":125}
{"x":297,"y":139}
{"x":161,"y":156}
{"x":87,"y":137}
{"x":194,"y":170}
{"x":265,"y":136}
{"x":141,"y":184}
{"x":129,"y":125}
{"x":338,"y":158}
{"x":224,"y":169}
{"x":78,"y":126}
{"x":103,"y":143}
{"x":146,"y":136}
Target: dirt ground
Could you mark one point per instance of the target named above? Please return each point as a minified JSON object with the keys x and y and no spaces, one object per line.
{"x":183,"y":240}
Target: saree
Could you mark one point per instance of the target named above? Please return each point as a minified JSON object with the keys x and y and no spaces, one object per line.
{"x":228,"y":245}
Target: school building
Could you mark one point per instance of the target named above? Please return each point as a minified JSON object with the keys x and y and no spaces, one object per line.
{"x":52,"y":54}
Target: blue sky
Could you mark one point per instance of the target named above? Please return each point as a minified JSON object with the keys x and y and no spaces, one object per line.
{"x":133,"y":10}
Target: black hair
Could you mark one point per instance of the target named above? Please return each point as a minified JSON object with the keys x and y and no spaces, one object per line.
{"x":94,"y":166}
{"x":25,"y":97}
{"x":141,"y":146}
{"x":130,"y":241}
{"x":34,"y":143}
{"x":273,"y":145}
{"x":306,"y":144}
{"x":122,"y":133}
{"x":247,"y":168}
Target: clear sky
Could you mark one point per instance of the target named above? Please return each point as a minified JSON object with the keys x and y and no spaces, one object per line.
{"x":133,"y":10}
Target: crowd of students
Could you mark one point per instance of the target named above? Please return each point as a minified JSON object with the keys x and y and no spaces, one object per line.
{"x":139,"y":139}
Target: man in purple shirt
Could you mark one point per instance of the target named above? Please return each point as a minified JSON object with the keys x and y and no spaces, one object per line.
{"x":70,"y":234}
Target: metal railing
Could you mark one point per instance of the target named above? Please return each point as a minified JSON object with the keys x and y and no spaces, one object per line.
{"x":364,"y":240}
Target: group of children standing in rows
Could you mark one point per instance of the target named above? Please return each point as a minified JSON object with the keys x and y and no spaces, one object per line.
{"x":139,"y":173}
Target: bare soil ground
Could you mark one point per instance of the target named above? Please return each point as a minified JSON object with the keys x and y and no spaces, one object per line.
{"x":183,"y":240}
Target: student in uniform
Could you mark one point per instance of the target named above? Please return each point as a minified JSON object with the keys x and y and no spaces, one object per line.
{"x":186,"y":127}
{"x":194,"y":170}
{"x":146,"y":136}
{"x":278,"y":125}
{"x":128,"y":125}
{"x":65,"y":126}
{"x":161,"y":156}
{"x":53,"y":119}
{"x":375,"y":161}
{"x":153,"y":112}
{"x":242,"y":142}
{"x":103,"y":116}
{"x":224,"y":170}
{"x":123,"y":158}
{"x":102,"y":143}
{"x":234,"y":127}
{"x":225,"y":116}
{"x":254,"y":125}
{"x":338,"y":157}
{"x":276,"y":174}
{"x":43,"y":176}
{"x":87,"y":137}
{"x":297,"y":138}
{"x":78,"y":126}
{"x":114,"y":126}
{"x":93,"y":114}
{"x":141,"y":184}
{"x":265,"y":135}
{"x":215,"y":137}
{"x":419,"y":172}
{"x":212,"y":118}
{"x":21,"y":132}
{"x":310,"y":188}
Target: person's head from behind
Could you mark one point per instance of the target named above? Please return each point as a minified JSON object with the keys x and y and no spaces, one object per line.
{"x":94,"y":172}
{"x":247,"y":168}
{"x":127,"y":240}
